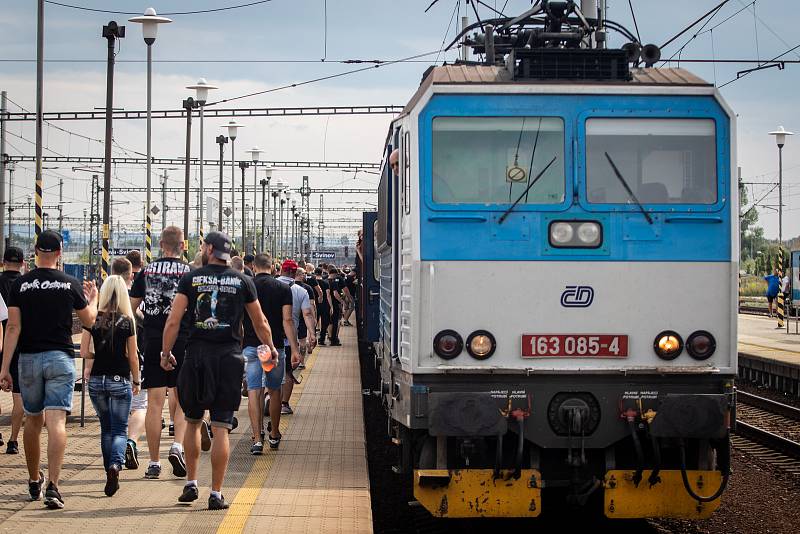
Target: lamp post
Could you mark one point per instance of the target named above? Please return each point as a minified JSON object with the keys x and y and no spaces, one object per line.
{"x":111,"y":32}
{"x":189,"y":104}
{"x":201,"y":88}
{"x":221,"y":140}
{"x":243,"y":165}
{"x":255,"y":153}
{"x":263,"y":213}
{"x":233,"y":130}
{"x":149,"y":22}
{"x":780,"y":138}
{"x":274,"y":234}
{"x":295,"y":233}
{"x":280,"y":226}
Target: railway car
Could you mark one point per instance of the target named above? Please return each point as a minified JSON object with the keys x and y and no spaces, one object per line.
{"x":550,"y":279}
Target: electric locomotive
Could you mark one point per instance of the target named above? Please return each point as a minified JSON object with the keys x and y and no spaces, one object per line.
{"x":549,"y":282}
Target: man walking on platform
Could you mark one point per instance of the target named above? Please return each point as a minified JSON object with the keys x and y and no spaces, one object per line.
{"x":41,"y":303}
{"x":13,"y":258}
{"x":155,"y":286}
{"x":214,"y":298}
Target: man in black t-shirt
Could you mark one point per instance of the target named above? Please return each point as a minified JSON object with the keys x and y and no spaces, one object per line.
{"x":336,"y":302}
{"x":13,"y":258}
{"x":323,"y":305}
{"x":40,"y":309}
{"x":154,"y":288}
{"x":302,"y":331}
{"x":275,"y":299}
{"x":214,"y":298}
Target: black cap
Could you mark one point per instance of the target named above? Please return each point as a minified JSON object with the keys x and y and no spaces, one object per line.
{"x":221,"y":244}
{"x":249,"y":258}
{"x":49,"y":241}
{"x":14,"y":255}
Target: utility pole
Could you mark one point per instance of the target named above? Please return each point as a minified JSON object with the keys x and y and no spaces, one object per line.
{"x":305,"y":210}
{"x":60,"y":205}
{"x":39,"y":111}
{"x":10,"y":168}
{"x":243,"y":165}
{"x":164,"y":200}
{"x":264,"y":183}
{"x":3,"y":109}
{"x":189,"y":104}
{"x":221,"y":140}
{"x":111,"y":32}
{"x":321,"y":228}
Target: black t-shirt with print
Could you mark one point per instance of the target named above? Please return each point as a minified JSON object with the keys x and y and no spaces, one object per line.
{"x":7,"y":279}
{"x":46,"y":299}
{"x":110,"y":343}
{"x":156,"y":285}
{"x":217,"y":295}
{"x":273,"y":296}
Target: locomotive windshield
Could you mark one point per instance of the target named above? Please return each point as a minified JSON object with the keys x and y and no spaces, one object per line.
{"x":490,"y":160}
{"x":665,"y":161}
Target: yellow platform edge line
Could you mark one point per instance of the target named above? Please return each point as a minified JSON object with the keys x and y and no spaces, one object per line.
{"x":237,"y":515}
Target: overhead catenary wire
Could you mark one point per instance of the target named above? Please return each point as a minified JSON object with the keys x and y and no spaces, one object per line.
{"x":174,"y":13}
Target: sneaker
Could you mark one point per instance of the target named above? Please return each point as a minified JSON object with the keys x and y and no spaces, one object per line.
{"x":52,"y":498}
{"x":301,"y":365}
{"x":215,"y":503}
{"x":178,"y":462}
{"x":163,"y":424}
{"x":112,"y":480}
{"x":12,"y":447}
{"x":274,"y":443}
{"x":336,"y":343}
{"x":153,"y":471}
{"x":257,"y":448}
{"x":131,"y":455}
{"x":35,"y":488}
{"x":321,"y":343}
{"x":172,"y":429}
{"x":190,"y":493}
{"x":205,"y":436}
{"x":286,"y":409}
{"x":347,"y":323}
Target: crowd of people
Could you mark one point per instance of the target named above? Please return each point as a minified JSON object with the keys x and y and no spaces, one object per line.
{"x":195,"y":336}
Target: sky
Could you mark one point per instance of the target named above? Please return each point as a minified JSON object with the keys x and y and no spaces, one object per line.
{"x":232,"y":48}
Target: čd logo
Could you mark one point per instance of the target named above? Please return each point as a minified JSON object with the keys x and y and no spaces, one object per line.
{"x":577,"y":297}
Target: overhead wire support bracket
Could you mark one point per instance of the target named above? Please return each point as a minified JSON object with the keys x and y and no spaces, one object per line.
{"x":768,"y":65}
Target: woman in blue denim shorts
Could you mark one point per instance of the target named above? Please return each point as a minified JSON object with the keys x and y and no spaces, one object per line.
{"x":111,"y":343}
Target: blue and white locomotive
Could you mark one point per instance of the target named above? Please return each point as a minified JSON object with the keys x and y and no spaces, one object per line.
{"x":555,"y":268}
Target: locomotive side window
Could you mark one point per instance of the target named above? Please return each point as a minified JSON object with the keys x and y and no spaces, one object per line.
{"x":663,"y":161}
{"x":491,"y":160}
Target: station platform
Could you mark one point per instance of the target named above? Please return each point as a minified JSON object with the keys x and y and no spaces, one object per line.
{"x":317,"y":482}
{"x":759,"y":338}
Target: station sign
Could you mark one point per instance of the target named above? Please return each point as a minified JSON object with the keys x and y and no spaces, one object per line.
{"x":115,"y":251}
{"x":323,"y":255}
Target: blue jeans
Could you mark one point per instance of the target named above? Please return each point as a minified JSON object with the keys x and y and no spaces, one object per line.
{"x":46,"y":380}
{"x":111,"y":397}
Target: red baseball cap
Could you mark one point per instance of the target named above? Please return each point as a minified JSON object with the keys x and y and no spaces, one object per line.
{"x":289,"y":265}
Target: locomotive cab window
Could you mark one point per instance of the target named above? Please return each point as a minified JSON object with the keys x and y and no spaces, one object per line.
{"x":493,"y":160}
{"x":654,"y":161}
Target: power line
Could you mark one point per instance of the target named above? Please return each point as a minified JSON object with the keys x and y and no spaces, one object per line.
{"x":742,"y":74}
{"x":198,"y":12}
{"x":693,"y":24}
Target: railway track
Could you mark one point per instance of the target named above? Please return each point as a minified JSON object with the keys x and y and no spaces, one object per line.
{"x":768,"y":430}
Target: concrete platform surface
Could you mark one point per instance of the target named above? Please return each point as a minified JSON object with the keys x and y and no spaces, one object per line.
{"x":759,"y":337}
{"x":316,"y":482}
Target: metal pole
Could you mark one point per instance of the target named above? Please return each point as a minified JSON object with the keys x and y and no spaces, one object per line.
{"x":39,"y":111}
{"x":263,"y":214}
{"x":3,"y":110}
{"x":255,"y":206}
{"x":243,"y":165}
{"x":273,"y":228}
{"x":201,"y":199}
{"x":111,"y":32}
{"x":188,"y":105}
{"x":221,"y":140}
{"x":780,"y":197}
{"x":280,"y":230}
{"x":10,"y":203}
{"x":164,"y":200}
{"x":148,"y":237}
{"x":60,"y":205}
{"x":233,"y":189}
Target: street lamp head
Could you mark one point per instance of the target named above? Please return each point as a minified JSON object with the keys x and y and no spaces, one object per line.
{"x":201,"y":88}
{"x":149,"y":22}
{"x":233,"y":128}
{"x":254,"y":152}
{"x":268,"y":173}
{"x":243,"y":165}
{"x":780,"y":135}
{"x":279,"y":185}
{"x":221,"y":140}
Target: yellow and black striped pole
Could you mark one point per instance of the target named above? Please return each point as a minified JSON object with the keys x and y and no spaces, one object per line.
{"x":38,"y":200}
{"x":148,"y":237}
{"x":104,"y":266}
{"x":781,"y":308}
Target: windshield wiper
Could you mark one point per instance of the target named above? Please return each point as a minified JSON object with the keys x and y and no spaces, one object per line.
{"x":514,"y":205}
{"x":628,"y":189}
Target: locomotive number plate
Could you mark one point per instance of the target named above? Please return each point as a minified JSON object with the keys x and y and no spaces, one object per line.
{"x":574,"y":346}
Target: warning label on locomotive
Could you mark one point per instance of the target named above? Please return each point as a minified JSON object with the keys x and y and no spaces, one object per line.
{"x":574,"y":346}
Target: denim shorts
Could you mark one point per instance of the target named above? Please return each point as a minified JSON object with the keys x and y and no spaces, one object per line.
{"x":256,"y":377}
{"x":46,"y":381}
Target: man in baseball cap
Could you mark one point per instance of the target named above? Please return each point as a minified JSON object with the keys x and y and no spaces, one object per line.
{"x":220,"y":245}
{"x":49,"y":241}
{"x":13,"y":258}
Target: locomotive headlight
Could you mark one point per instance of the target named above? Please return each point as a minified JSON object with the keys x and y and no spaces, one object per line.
{"x":589,"y":233}
{"x":668,"y":345}
{"x":481,"y":344}
{"x":448,"y":344}
{"x":561,"y":233}
{"x":701,"y":345}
